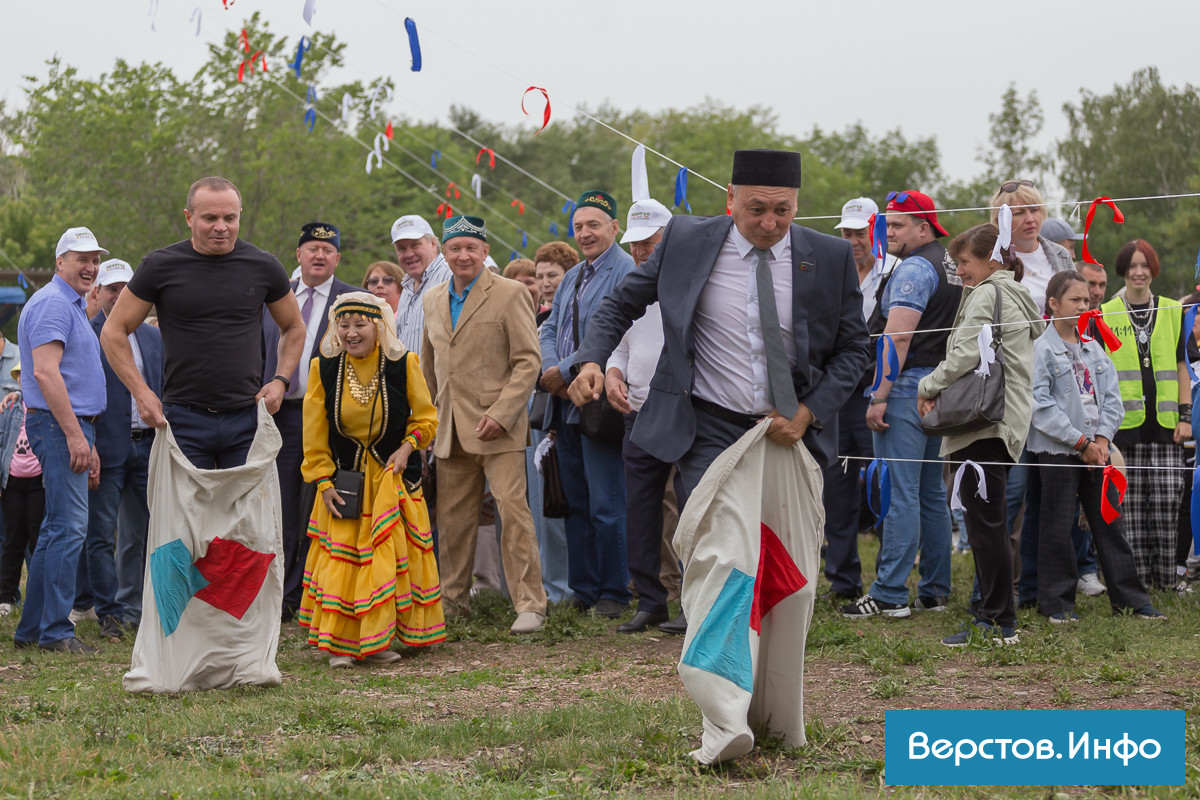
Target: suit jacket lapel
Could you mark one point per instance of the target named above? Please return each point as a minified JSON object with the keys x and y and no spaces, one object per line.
{"x":804,"y":276}
{"x":475,"y":298}
{"x":707,"y":251}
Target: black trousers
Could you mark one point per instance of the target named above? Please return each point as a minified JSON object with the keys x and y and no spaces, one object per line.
{"x":296,"y":500}
{"x":842,"y":499}
{"x":645,"y":485}
{"x":987,"y":529}
{"x":24,"y":505}
{"x":1056,"y":576}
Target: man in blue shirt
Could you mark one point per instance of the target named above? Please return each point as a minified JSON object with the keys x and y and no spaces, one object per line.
{"x":921,"y":296}
{"x":63,"y":392}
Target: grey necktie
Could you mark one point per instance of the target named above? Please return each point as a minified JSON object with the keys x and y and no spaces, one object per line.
{"x":294,"y":390}
{"x":779,"y":372}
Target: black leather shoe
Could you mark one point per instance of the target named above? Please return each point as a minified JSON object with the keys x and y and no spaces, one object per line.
{"x":69,"y":645}
{"x":676,"y":627}
{"x":111,"y":629}
{"x":575,"y":604}
{"x":642,"y":620}
{"x":610,"y":608}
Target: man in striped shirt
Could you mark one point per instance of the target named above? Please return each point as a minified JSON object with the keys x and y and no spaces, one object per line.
{"x":420,"y":256}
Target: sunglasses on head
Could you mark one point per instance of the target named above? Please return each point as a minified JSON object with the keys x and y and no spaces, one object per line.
{"x":903,"y":197}
{"x":386,"y":280}
{"x":1012,"y":186}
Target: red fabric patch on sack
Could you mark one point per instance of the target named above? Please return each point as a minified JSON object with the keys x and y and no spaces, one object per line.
{"x":778,"y":576}
{"x":235,"y":574}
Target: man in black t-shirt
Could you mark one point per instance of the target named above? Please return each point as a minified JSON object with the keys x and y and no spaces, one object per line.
{"x":209,"y":291}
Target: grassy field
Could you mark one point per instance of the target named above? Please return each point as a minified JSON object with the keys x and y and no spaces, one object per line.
{"x":575,"y":711}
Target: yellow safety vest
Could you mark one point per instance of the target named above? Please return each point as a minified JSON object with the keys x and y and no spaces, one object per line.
{"x":1164,"y":346}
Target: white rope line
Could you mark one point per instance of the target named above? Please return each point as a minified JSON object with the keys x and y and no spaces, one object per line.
{"x":846,"y":459}
{"x":1076,"y":203}
{"x":1183,"y":310}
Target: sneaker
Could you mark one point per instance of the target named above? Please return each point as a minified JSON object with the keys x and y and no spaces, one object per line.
{"x":1150,"y":612}
{"x":930,"y":603}
{"x":6,"y":609}
{"x":981,"y":631}
{"x":341,"y":662}
{"x":77,"y":616}
{"x":1183,"y":587}
{"x":69,"y":645}
{"x":111,"y":629}
{"x":1090,"y":585}
{"x":867,"y":606}
{"x":1062,"y":617}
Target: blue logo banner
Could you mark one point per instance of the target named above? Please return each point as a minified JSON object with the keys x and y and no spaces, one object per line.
{"x":1033,"y":748}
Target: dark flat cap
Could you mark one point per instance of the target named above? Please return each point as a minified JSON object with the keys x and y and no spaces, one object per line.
{"x":766,"y":168}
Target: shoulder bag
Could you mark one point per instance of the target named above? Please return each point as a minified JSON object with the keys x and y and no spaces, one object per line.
{"x":974,"y":401}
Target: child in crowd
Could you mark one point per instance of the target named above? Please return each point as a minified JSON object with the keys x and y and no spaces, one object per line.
{"x":22,"y":499}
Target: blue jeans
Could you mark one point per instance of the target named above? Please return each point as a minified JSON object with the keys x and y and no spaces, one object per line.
{"x":918,"y":517}
{"x":551,"y":533}
{"x":213,"y":439}
{"x":593,"y":477}
{"x":122,"y":489}
{"x":50,"y":585}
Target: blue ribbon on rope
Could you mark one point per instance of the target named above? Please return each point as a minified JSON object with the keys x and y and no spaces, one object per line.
{"x":893,"y":363}
{"x":553,"y":226}
{"x":681,"y":189}
{"x":885,"y":489}
{"x":1196,"y":510}
{"x":879,"y":246}
{"x":414,"y":43}
{"x":569,"y":209}
{"x":310,"y":111}
{"x":301,"y":47}
{"x":433,"y":158}
{"x":22,"y":281}
{"x":1189,"y":323}
{"x":524,"y":240}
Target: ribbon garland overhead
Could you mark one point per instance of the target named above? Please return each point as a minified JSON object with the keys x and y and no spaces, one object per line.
{"x":310,"y":108}
{"x":377,"y":153}
{"x":310,"y":8}
{"x":1106,"y":333}
{"x":517,"y":204}
{"x":197,"y":15}
{"x":1004,"y":240}
{"x":452,"y":187}
{"x":681,"y":189}
{"x":301,"y":47}
{"x":389,"y":132}
{"x":1118,"y":217}
{"x":414,"y":43}
{"x":569,"y":209}
{"x":638,"y":178}
{"x":546,"y":115}
{"x":477,"y":185}
{"x":491,"y":156}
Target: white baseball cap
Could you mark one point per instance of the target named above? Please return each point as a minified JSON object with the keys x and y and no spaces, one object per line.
{"x":644,"y":220}
{"x":410,"y":227}
{"x":114,"y":271}
{"x":81,"y":240}
{"x":856,"y":214}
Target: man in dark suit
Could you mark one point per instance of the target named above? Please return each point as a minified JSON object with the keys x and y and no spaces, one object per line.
{"x":319,"y":252}
{"x":118,"y":501}
{"x":713,"y":380}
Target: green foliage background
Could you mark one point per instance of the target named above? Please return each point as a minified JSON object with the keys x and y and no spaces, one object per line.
{"x":118,"y":153}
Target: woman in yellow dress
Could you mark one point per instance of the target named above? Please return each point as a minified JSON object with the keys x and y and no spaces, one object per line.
{"x":371,"y":580}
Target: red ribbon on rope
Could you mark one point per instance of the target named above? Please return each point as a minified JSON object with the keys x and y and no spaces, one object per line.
{"x":227,"y":3}
{"x":1111,"y":476}
{"x":388,"y":131}
{"x":491,"y":156}
{"x":546,"y":116}
{"x":1087,"y":224}
{"x":444,"y":208}
{"x":245,"y":40}
{"x":453,"y":187}
{"x":520,"y":206}
{"x":250,"y":61}
{"x":1106,"y":333}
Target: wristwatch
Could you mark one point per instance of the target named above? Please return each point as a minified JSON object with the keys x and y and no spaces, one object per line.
{"x":877,"y":401}
{"x":286,"y":383}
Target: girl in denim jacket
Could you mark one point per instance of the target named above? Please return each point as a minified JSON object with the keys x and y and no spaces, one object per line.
{"x":1077,"y":409}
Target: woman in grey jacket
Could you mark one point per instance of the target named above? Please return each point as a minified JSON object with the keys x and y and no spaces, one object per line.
{"x":995,"y":447}
{"x":1077,"y":409}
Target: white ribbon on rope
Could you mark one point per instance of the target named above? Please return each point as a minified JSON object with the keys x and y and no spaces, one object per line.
{"x":641,"y":183}
{"x":1004,"y":240}
{"x":477,"y":186}
{"x":987,"y":353}
{"x":980,"y":491}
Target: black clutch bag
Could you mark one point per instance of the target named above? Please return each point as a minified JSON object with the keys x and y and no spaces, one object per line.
{"x":349,"y":486}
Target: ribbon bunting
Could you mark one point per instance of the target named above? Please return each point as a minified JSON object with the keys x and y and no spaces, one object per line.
{"x":980,"y":486}
{"x":569,"y":209}
{"x":227,"y":3}
{"x":1004,"y":240}
{"x":433,"y":158}
{"x":310,"y":7}
{"x":381,"y":146}
{"x":546,"y":115}
{"x":379,"y":92}
{"x":1087,"y":225}
{"x":245,"y":40}
{"x":641,"y":183}
{"x":987,"y":353}
{"x":477,"y":186}
{"x":310,"y":108}
{"x":1189,"y":325}
{"x":1113,"y":477}
{"x":347,"y":109}
{"x":388,"y":132}
{"x":877,"y":229}
{"x":301,"y":47}
{"x":1106,"y":333}
{"x":893,"y":362}
{"x":491,"y":156}
{"x":414,"y":44}
{"x":524,"y":238}
{"x":453,"y":187}
{"x":23,"y":282}
{"x":885,"y":489}
{"x":197,"y":15}
{"x":681,"y":189}
{"x":514,"y":255}
{"x":444,"y":208}
{"x":520,"y":206}
{"x":553,"y":228}
{"x":153,"y":14}
{"x":250,"y":62}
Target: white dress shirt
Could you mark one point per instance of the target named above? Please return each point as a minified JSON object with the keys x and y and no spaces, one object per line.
{"x":731,"y":358}
{"x":320,"y":294}
{"x":638,"y":353}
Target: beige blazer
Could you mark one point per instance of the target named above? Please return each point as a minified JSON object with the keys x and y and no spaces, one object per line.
{"x":488,"y":364}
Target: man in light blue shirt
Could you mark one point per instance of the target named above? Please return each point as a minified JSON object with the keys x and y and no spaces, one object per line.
{"x":63,"y":392}
{"x":420,"y":256}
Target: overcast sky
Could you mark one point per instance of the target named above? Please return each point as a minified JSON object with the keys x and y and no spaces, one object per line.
{"x":933,"y":68}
